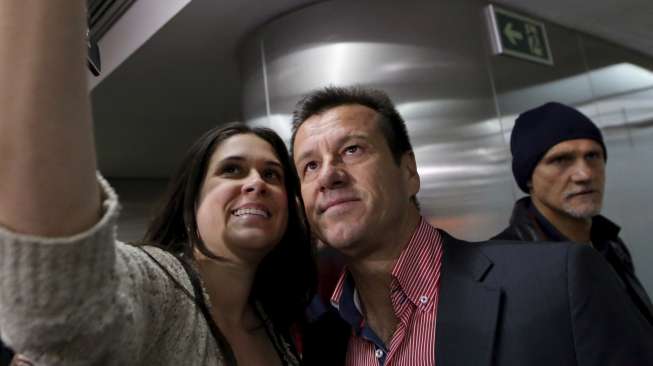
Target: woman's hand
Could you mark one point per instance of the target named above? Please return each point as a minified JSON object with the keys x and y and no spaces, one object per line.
{"x":20,"y":360}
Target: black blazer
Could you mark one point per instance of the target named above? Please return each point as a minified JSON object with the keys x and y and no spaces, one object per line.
{"x":513,"y":303}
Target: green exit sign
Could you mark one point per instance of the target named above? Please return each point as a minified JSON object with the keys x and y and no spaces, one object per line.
{"x":519,"y":36}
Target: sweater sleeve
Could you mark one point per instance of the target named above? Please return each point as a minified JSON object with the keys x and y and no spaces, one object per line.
{"x":84,"y":299}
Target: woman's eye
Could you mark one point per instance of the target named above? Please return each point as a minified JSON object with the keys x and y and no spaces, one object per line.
{"x":272,"y":175}
{"x":230,"y":169}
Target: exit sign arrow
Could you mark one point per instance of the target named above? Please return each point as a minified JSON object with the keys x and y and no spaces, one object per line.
{"x":512,"y":35}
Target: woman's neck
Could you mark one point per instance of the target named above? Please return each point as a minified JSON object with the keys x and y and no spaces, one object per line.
{"x":229,"y":287}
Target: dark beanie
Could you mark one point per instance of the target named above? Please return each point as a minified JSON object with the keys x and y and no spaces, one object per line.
{"x":541,"y":128}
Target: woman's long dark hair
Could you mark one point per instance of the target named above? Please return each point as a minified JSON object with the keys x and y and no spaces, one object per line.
{"x":285,"y":278}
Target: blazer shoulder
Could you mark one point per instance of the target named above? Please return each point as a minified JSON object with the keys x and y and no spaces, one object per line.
{"x":520,"y":258}
{"x":494,"y":248}
{"x":505,"y":260}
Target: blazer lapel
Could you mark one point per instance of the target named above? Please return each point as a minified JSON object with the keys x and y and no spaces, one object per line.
{"x":467,"y":309}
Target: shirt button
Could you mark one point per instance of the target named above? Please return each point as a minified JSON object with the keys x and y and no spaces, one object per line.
{"x":423,"y":299}
{"x":378,"y":353}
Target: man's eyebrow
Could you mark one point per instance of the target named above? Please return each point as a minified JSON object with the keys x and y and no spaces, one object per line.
{"x":340,"y":141}
{"x":354,"y":136}
{"x":304,"y":155}
{"x":560,"y":154}
{"x":573,"y":152}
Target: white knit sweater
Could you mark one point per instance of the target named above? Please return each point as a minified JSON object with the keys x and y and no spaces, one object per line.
{"x":89,"y":299}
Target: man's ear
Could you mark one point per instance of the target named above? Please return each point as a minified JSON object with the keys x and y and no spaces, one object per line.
{"x":529,"y":185}
{"x":409,"y":168}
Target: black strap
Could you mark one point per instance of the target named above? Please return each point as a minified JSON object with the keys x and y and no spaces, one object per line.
{"x":285,"y":350}
{"x":199,"y":301}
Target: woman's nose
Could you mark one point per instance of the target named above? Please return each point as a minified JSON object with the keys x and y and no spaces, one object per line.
{"x":255,"y":184}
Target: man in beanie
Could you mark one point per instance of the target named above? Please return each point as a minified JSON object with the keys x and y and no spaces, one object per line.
{"x":559,"y":160}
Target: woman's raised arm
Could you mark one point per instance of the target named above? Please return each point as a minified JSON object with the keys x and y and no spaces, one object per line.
{"x":48,"y":185}
{"x":70,"y":293}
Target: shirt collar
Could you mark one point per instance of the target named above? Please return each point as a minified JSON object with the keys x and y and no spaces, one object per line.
{"x":602,"y":227}
{"x":416,"y":272}
{"x":345,"y":300}
{"x":549,"y":230}
{"x":417,"y":268}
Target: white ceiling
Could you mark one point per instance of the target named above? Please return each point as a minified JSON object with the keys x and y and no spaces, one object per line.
{"x":185,"y":78}
{"x":182,"y":81}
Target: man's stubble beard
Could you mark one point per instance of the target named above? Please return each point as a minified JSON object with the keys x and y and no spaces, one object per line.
{"x":585,"y":210}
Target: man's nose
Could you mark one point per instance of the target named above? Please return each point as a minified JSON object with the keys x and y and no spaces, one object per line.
{"x":582,"y":171}
{"x":332,"y":175}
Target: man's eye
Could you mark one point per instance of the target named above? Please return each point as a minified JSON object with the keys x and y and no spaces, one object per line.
{"x":561,"y":160}
{"x":353,"y":149}
{"x":593,"y":156}
{"x":310,"y":166}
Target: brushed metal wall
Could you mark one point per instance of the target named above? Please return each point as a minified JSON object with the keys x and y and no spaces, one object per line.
{"x":622,"y":95}
{"x":460,"y":102}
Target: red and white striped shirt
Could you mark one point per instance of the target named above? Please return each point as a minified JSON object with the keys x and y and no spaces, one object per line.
{"x":414,"y":294}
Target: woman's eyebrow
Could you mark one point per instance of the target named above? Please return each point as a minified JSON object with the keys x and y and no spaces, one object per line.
{"x":274,"y":163}
{"x":233,"y":157}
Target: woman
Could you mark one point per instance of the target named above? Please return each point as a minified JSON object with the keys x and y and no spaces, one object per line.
{"x":218,"y":219}
{"x":232,"y":270}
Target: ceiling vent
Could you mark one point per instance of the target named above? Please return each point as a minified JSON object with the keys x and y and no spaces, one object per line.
{"x":102,"y":14}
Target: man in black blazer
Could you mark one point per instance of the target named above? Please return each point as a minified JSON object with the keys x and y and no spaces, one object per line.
{"x":413,"y":295}
{"x":559,"y":160}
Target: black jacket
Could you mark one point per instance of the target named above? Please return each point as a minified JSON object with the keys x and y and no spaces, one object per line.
{"x":528,"y":225}
{"x":512,"y":303}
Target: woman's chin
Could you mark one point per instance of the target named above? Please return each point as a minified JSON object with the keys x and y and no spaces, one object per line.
{"x":254,"y":239}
